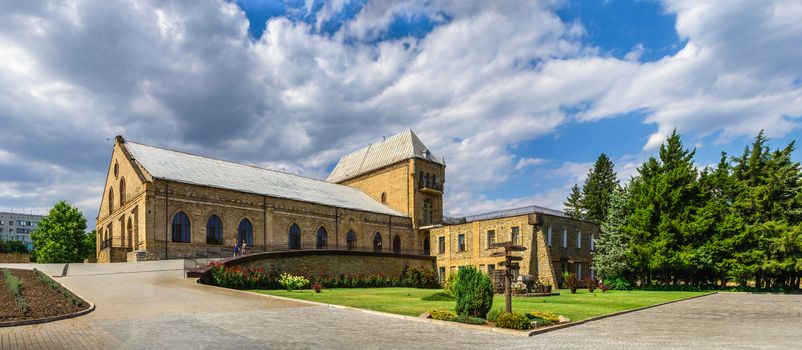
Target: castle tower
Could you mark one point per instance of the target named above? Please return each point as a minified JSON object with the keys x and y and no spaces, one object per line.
{"x":403,"y":174}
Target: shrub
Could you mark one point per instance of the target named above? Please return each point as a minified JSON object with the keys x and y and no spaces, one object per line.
{"x":590,"y":284}
{"x":468,"y":319}
{"x":13,"y":247}
{"x":618,"y":283}
{"x":442,"y":315}
{"x":240,"y":277}
{"x":513,"y":320}
{"x":492,"y":316}
{"x":571,"y":281}
{"x":518,"y":287}
{"x":474,"y":292}
{"x":419,"y":277}
{"x":448,"y":285}
{"x":291,"y":282}
{"x":316,"y":287}
{"x":12,"y":282}
{"x":439,"y":296}
{"x":544,"y":317}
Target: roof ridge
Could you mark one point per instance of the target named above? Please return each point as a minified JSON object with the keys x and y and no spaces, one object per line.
{"x":237,"y":163}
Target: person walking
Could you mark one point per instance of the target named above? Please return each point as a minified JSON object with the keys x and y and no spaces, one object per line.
{"x":236,"y":250}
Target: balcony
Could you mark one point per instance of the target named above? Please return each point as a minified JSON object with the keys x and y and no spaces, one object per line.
{"x":430,"y":188}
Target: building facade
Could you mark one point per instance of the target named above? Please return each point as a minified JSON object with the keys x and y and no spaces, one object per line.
{"x":385,"y":197}
{"x":18,"y":227}
{"x":554,"y":243}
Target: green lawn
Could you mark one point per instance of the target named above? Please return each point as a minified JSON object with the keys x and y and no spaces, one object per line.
{"x":406,"y":301}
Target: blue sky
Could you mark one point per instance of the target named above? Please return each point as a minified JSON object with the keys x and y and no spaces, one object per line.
{"x":519,"y":96}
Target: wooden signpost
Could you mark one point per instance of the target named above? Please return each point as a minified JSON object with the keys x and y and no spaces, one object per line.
{"x":510,"y":263}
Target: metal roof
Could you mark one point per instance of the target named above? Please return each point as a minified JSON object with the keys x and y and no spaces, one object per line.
{"x":404,"y":145}
{"x":188,"y":168}
{"x":507,"y":213}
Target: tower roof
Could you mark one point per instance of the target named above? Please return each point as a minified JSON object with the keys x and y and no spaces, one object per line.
{"x":401,"y":146}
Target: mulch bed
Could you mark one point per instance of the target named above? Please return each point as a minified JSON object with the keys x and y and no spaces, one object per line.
{"x":43,"y":300}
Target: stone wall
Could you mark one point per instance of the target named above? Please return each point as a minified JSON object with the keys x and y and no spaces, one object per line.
{"x":14,"y":258}
{"x":334,"y":263}
{"x":541,"y":259}
{"x":113,"y":254}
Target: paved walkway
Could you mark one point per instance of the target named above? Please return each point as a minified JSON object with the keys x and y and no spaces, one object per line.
{"x":157,"y":308}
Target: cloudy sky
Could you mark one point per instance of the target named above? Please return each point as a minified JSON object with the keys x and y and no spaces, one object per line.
{"x":518,"y":96}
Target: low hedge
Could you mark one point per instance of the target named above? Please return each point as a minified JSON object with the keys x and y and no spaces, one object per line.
{"x":513,"y":320}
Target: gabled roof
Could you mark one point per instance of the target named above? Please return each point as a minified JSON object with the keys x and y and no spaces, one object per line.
{"x":396,"y":148}
{"x":192,"y":169}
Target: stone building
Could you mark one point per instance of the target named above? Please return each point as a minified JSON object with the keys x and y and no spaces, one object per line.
{"x":554,"y":242}
{"x":162,"y":204}
{"x":385,"y":197}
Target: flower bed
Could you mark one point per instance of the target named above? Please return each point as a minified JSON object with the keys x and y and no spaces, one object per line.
{"x":29,"y":295}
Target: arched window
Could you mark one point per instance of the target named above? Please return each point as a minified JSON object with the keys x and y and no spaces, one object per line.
{"x":122,"y":191}
{"x":428,"y":185}
{"x":397,"y":244}
{"x":321,"y":238}
{"x":245,"y":232}
{"x":214,"y":230}
{"x":181,"y":231}
{"x":116,"y":169}
{"x":420,"y":180}
{"x":111,"y":200}
{"x":377,"y":242}
{"x":426,"y":246}
{"x":434,"y":181}
{"x":294,"y":237}
{"x":384,"y":197}
{"x":350,"y":240}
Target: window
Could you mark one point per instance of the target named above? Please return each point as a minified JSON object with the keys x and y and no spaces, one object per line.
{"x":579,"y":239}
{"x":491,"y":238}
{"x":321,"y":238}
{"x":122,"y":191}
{"x":181,"y":231}
{"x":397,"y":244}
{"x":515,"y":235}
{"x":565,"y":238}
{"x":214,"y":230}
{"x":11,"y":223}
{"x":111,"y":200}
{"x":377,"y":242}
{"x":428,"y":184}
{"x":384,"y":197}
{"x":294,"y":237}
{"x":441,"y":245}
{"x":548,"y":235}
{"x":578,"y":271}
{"x":426,"y":246}
{"x":1,"y":222}
{"x":592,"y":244}
{"x":441,"y":274}
{"x":420,"y":180}
{"x":491,"y":268}
{"x":245,"y":232}
{"x":461,"y":242}
{"x":116,"y":169}
{"x":350,"y":240}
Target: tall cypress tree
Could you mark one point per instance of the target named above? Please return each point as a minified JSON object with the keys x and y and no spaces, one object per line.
{"x":573,"y":205}
{"x":598,"y":188}
{"x":612,"y":248}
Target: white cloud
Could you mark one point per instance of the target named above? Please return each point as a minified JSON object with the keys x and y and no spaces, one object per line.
{"x":489,"y":76}
{"x":526,"y":162}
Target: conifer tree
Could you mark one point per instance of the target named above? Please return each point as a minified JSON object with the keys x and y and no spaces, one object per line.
{"x":612,"y":248}
{"x":598,"y":187}
{"x":573,"y":205}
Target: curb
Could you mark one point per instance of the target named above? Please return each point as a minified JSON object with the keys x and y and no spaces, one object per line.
{"x":53,"y":318}
{"x":527,"y":333}
{"x":617,"y":313}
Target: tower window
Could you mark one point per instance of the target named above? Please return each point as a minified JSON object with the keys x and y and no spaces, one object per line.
{"x":384,"y":197}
